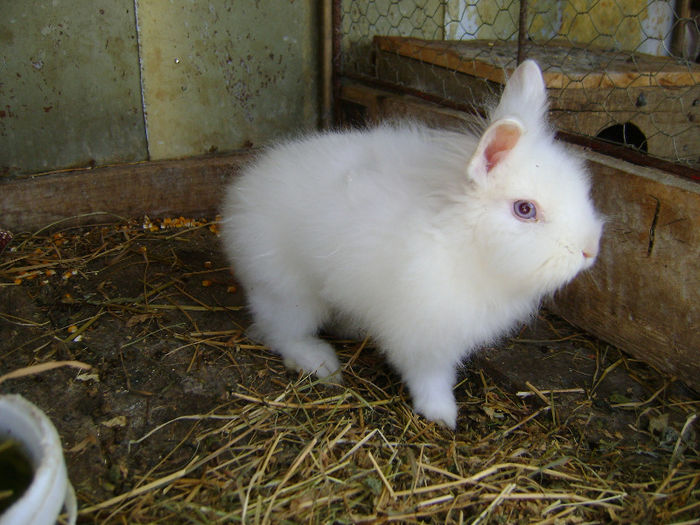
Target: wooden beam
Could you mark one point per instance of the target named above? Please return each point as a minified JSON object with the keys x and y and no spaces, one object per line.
{"x":189,"y":187}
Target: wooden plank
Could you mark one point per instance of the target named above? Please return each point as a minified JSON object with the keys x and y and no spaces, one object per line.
{"x":650,"y":100}
{"x":643,"y":294}
{"x":455,"y":83}
{"x":190,"y":187}
{"x":564,"y":66}
{"x":658,"y":129}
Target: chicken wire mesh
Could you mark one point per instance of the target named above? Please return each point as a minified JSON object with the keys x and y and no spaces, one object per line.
{"x":621,"y":70}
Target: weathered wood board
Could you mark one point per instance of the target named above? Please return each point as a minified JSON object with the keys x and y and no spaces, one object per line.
{"x":589,"y":90}
{"x":186,"y":187}
{"x":643,"y":294}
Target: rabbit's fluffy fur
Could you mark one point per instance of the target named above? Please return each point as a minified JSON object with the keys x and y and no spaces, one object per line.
{"x":418,"y":237}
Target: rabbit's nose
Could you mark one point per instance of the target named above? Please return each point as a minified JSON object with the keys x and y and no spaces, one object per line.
{"x":591,"y":244}
{"x":590,"y":251}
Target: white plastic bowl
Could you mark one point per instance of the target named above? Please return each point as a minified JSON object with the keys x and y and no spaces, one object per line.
{"x":50,"y":491}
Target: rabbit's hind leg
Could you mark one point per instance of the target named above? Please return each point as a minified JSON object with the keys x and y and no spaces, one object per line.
{"x":288,"y":323}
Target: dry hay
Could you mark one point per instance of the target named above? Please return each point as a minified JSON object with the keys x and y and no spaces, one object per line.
{"x":272,"y":448}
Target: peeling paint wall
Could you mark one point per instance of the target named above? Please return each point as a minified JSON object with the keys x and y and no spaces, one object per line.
{"x":76,"y":75}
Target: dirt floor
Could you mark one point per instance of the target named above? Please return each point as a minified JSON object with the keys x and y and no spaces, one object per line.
{"x":181,"y":419}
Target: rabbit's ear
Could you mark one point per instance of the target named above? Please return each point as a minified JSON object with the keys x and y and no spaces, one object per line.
{"x":525,"y":95}
{"x":495,"y":144}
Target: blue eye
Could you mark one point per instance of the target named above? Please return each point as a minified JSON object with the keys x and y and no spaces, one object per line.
{"x":525,"y":210}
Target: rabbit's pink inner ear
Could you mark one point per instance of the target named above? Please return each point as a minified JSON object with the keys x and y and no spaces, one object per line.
{"x":504,"y":137}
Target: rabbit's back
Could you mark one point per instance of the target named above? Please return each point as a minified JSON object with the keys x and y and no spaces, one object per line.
{"x":408,"y":161}
{"x":330,"y":196}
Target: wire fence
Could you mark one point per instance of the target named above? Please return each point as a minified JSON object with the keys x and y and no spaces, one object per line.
{"x":624,"y":71}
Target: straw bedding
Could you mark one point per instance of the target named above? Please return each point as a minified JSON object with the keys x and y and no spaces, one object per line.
{"x":130,"y":334}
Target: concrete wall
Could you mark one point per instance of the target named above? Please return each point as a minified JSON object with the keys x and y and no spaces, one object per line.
{"x":95,"y":82}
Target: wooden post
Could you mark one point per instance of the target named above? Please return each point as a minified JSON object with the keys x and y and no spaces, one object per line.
{"x":522,"y":31}
{"x":326,"y":15}
{"x":678,"y":38}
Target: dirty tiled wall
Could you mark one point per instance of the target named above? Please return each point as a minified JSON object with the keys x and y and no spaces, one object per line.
{"x":94,"y":82}
{"x":69,"y":85}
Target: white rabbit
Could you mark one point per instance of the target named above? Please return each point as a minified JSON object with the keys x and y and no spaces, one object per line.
{"x":434,"y":242}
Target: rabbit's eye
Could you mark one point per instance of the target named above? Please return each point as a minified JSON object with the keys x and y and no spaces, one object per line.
{"x":525,"y":210}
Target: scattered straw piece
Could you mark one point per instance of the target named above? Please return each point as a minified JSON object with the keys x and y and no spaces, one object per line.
{"x":41,"y":368}
{"x":165,"y":480}
{"x":292,"y":469}
{"x":488,"y":510}
{"x":548,"y":392}
{"x":381,"y":475}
